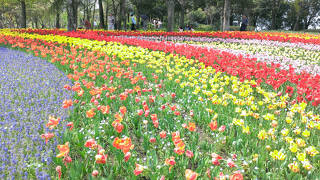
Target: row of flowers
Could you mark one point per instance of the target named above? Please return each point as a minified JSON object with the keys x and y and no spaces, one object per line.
{"x":313,"y":47}
{"x":272,"y":36}
{"x":247,"y":122}
{"x":309,"y":54}
{"x":307,"y":85}
{"x":302,"y":57}
{"x":300,"y":60}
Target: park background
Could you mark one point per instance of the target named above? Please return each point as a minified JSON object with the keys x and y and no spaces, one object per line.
{"x":202,"y":15}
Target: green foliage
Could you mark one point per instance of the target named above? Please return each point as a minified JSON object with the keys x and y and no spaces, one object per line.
{"x":204,"y":27}
{"x":198,"y":16}
{"x":265,"y":14}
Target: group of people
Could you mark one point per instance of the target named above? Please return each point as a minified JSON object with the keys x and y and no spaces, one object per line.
{"x":187,"y":28}
{"x":157,"y":24}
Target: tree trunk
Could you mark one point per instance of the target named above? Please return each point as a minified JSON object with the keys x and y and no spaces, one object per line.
{"x":170,"y":9}
{"x":36,"y":22}
{"x":122,"y":19}
{"x":226,"y":15}
{"x":101,"y":15}
{"x":93,"y":15}
{"x":87,"y":11}
{"x":116,"y":18}
{"x":75,"y":13}
{"x":84,"y":11}
{"x":296,"y":25}
{"x":182,"y":16}
{"x":107,"y":14}
{"x":23,"y":14}
{"x":57,"y":20}
{"x":274,"y":15}
{"x":72,"y":9}
{"x":298,"y":8}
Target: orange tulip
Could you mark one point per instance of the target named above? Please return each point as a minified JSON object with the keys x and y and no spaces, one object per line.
{"x":138,"y":170}
{"x":101,"y":158}
{"x":47,"y":136}
{"x":191,"y":126}
{"x":105,"y":109}
{"x":236,"y":176}
{"x":91,"y":143}
{"x":170,"y":161}
{"x":53,"y":122}
{"x":163,"y":134}
{"x":118,"y":117}
{"x":213,"y":125}
{"x":123,"y":110}
{"x":91,"y":113}
{"x":67,"y":103}
{"x":117,"y":126}
{"x":154,"y":117}
{"x":64,"y":150}
{"x":124,"y":144}
{"x":190,"y":175}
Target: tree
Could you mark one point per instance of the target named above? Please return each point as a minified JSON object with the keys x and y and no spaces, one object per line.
{"x":182,"y":11}
{"x":93,"y":14}
{"x":211,"y":12}
{"x":72,"y":10}
{"x":23,"y":14}
{"x":122,"y":19}
{"x":10,"y":14}
{"x":312,"y":10}
{"x":56,"y":7}
{"x":101,"y":15}
{"x":226,"y":15}
{"x":170,"y":11}
{"x":115,"y":7}
{"x":274,"y":10}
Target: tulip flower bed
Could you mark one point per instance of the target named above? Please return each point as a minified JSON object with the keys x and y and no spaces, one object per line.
{"x":141,"y":113}
{"x":272,"y":36}
{"x":302,"y":57}
{"x":308,"y":86}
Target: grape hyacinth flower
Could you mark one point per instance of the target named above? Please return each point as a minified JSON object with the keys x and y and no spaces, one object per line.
{"x":31,"y":89}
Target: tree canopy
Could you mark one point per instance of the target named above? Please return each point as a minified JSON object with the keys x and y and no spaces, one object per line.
{"x":211,"y":14}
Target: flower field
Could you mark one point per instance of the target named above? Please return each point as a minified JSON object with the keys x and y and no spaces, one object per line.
{"x":157,"y":105}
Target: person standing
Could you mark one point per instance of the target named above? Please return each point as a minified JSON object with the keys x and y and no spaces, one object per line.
{"x":94,"y":24}
{"x":244,"y":23}
{"x":159,"y":24}
{"x":110,"y":22}
{"x":87,"y":24}
{"x":133,"y":22}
